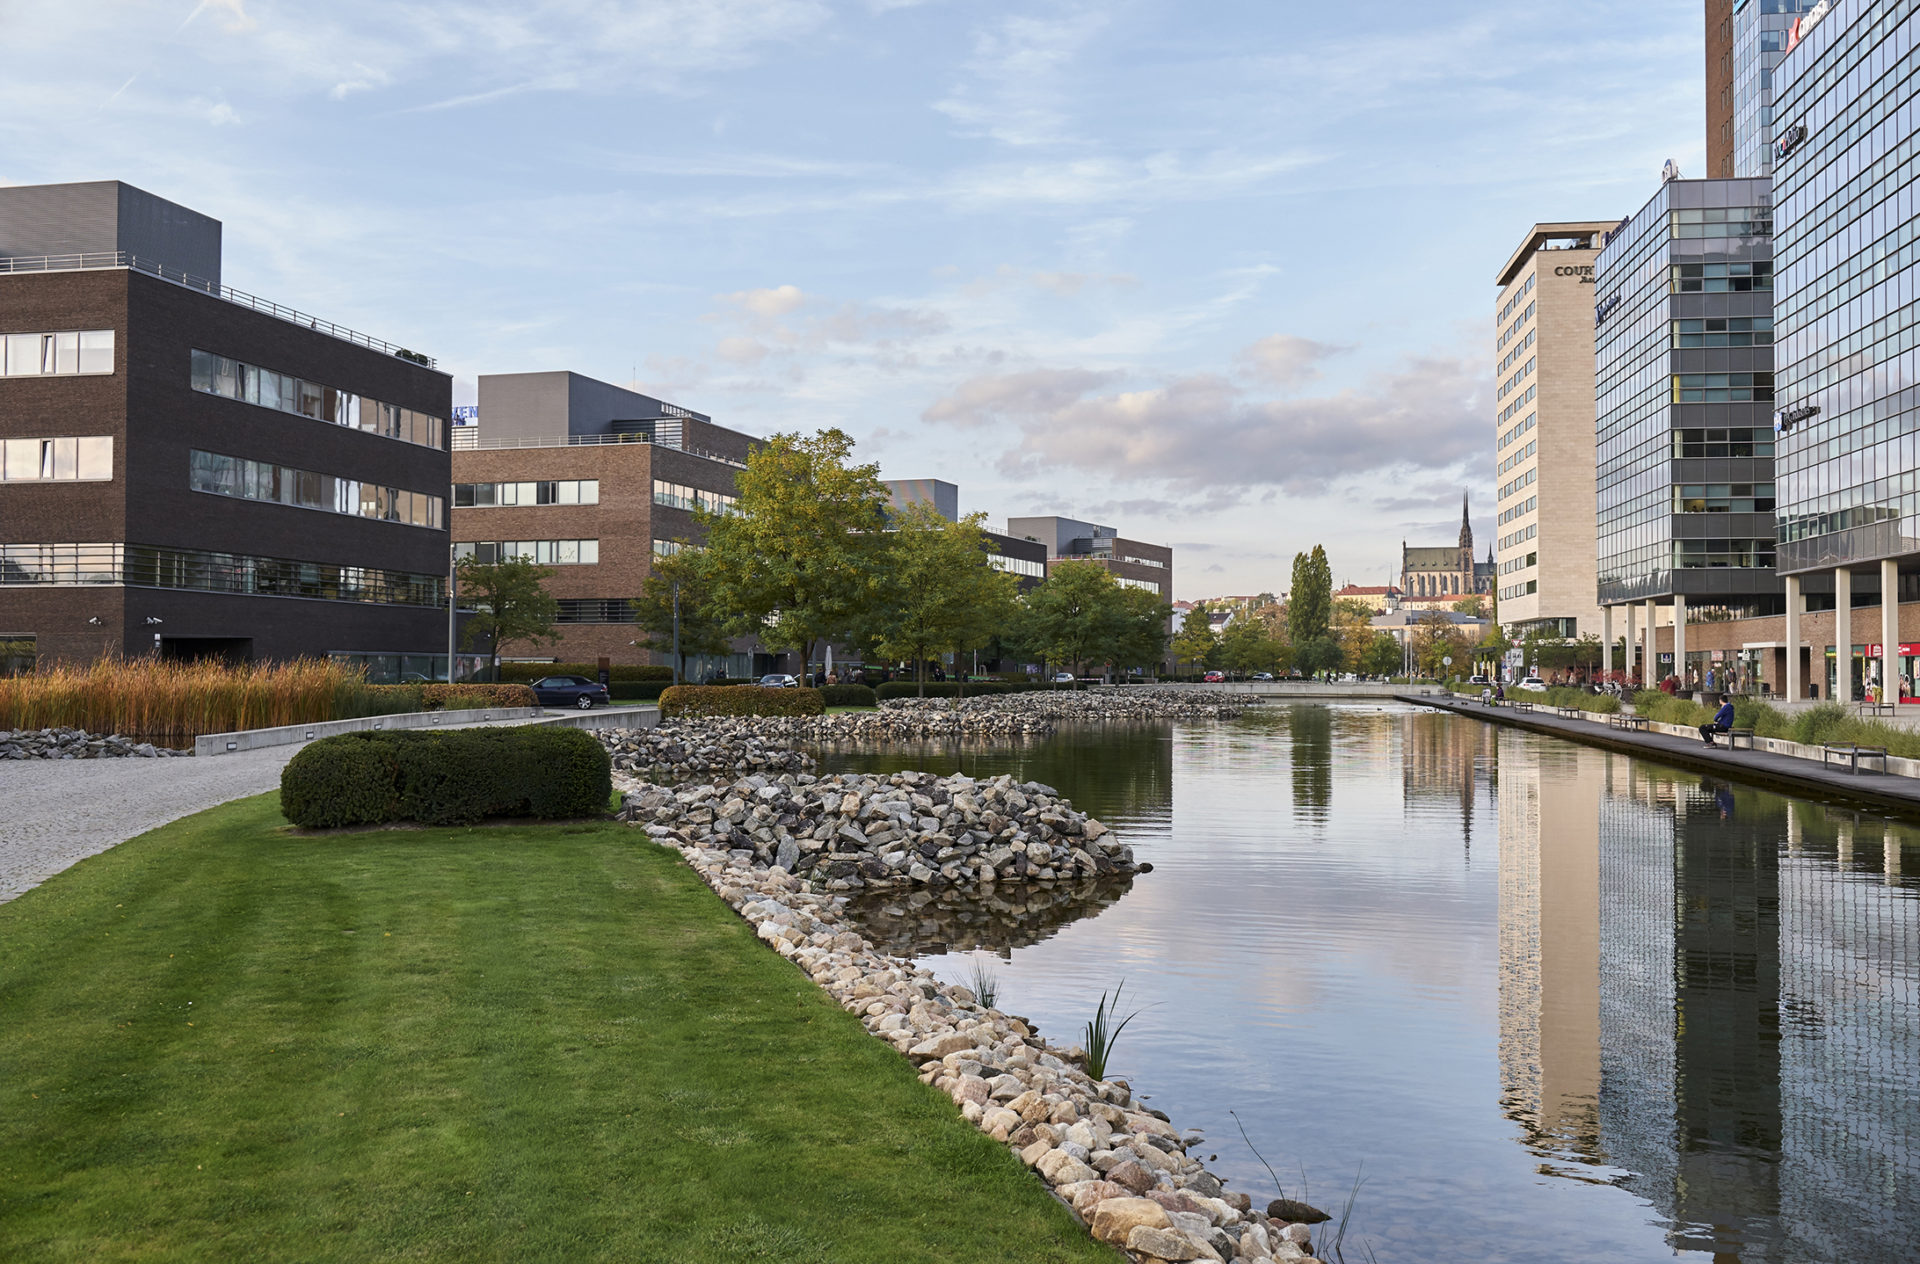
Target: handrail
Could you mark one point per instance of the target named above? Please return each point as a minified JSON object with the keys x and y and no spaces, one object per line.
{"x":466,"y":442}
{"x":87,"y":260}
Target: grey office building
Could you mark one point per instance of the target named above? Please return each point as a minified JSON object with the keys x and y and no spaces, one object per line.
{"x":1847,"y":128}
{"x":1684,"y":400}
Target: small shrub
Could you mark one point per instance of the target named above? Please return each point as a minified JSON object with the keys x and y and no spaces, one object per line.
{"x":739,"y":700}
{"x":849,"y":696}
{"x":446,"y":778}
{"x":1819,"y":725}
{"x":524,"y":672}
{"x":940,"y":689}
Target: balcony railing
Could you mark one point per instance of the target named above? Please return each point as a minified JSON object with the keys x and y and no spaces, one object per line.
{"x":466,"y":440}
{"x":123,"y":259}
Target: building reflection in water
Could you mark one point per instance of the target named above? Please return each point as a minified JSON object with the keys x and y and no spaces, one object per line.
{"x":1448,"y":763}
{"x":1708,"y":997}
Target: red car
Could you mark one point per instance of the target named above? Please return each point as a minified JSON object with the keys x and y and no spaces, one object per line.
{"x":1216,"y":678}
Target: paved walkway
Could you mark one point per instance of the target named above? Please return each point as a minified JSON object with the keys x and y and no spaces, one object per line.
{"x":1799,"y":776}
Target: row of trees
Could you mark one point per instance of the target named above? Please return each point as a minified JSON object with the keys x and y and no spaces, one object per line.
{"x":809,"y":555}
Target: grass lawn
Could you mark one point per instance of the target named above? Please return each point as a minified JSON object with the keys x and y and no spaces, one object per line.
{"x":225,"y":1043}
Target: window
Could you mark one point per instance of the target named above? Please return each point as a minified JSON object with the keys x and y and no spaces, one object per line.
{"x":88,"y":459}
{"x":542,"y":552}
{"x":1012,"y":565}
{"x":282,"y":485}
{"x":216,"y":375}
{"x":681,"y":496}
{"x":1713,"y":554}
{"x":1723,"y":498}
{"x":584,"y":491}
{"x":667,"y":548}
{"x":148,"y":566}
{"x":1721,"y":278}
{"x":1724,"y":331}
{"x":1145,"y":584}
{"x":594,"y":610}
{"x":1735,"y":441}
{"x":1156,"y":563}
{"x":48,"y":355}
{"x":1721,"y":388}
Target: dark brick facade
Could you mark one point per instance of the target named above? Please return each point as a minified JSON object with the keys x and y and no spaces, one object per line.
{"x":155,"y":418}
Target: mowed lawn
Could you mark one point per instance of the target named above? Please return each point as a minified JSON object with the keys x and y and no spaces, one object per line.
{"x":222,"y":1042}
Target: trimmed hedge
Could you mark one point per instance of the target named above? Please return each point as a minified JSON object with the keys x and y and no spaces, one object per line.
{"x":638,"y":690}
{"x":616,"y":675}
{"x":943,"y":689}
{"x":849,"y":696}
{"x":458,"y":697}
{"x":739,"y":700}
{"x":446,"y":778}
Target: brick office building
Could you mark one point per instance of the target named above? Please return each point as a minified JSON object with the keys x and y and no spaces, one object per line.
{"x":190,"y":470}
{"x":593,"y":481}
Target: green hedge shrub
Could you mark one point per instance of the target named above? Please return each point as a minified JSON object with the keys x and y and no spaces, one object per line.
{"x":849,"y":696}
{"x":739,"y":700}
{"x":638,"y":690}
{"x":941,"y":689}
{"x":446,"y":778}
{"x":459,"y":697}
{"x":536,"y":671}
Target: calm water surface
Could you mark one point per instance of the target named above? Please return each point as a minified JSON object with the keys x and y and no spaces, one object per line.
{"x":1551,"y":1003}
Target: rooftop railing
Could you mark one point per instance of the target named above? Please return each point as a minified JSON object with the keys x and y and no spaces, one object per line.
{"x":465,"y":440}
{"x":123,"y":259}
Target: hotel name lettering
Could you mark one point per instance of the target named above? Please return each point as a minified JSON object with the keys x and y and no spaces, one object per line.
{"x":1585,"y":273}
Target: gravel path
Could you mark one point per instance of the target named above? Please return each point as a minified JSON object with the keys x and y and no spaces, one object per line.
{"x":57,"y":812}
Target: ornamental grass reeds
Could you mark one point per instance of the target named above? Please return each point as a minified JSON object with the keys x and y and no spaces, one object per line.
{"x":171,"y":703}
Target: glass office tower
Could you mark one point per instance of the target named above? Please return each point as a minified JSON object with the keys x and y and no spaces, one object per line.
{"x":1761,"y":29}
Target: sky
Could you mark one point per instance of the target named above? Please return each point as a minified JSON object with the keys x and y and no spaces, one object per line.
{"x":1220,"y":275}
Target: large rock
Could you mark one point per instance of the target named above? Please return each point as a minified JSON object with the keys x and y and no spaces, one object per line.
{"x":941,"y":1046}
{"x":1131,"y":1175}
{"x":1116,"y":1218}
{"x":1165,"y":1244}
{"x":1061,"y":1168}
{"x":1289,"y":1211}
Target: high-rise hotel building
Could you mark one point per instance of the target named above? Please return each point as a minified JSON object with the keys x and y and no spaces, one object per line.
{"x":1847,"y":150}
{"x":1543,"y":440}
{"x":1761,"y":29}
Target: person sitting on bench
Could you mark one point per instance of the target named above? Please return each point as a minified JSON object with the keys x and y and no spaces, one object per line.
{"x":1721,"y":722}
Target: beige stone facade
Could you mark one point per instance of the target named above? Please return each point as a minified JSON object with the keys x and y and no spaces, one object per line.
{"x":1544,"y":539}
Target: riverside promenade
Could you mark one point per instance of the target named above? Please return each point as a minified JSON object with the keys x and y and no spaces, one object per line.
{"x":1804,"y":777}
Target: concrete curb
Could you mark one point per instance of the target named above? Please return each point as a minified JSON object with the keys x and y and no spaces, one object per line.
{"x":292,"y":734}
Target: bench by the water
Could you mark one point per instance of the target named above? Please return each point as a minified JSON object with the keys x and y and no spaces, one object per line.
{"x":1621,"y":720}
{"x":1570,"y":713}
{"x":1851,"y":754}
{"x":1737,"y":736}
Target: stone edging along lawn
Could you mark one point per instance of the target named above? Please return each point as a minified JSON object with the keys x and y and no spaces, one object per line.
{"x":1123,"y":1169}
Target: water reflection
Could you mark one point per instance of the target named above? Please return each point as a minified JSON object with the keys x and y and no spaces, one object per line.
{"x":994,"y":919}
{"x":1676,"y":1016}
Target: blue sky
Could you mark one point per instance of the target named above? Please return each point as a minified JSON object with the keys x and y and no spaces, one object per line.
{"x":1219,"y":274}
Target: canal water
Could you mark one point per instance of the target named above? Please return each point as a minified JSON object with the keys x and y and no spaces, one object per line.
{"x":1540,"y":1002}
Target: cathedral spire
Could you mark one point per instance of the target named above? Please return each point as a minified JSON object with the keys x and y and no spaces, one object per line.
{"x":1466,"y":526}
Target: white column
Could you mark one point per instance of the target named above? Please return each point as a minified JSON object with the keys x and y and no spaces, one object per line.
{"x":1792,"y":682}
{"x":1652,"y":659}
{"x":1606,"y":641}
{"x":1680,"y":637}
{"x":1627,"y":666}
{"x":1890,"y":632}
{"x":1842,"y":636}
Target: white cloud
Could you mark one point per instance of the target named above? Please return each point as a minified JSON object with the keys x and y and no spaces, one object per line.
{"x":1016,"y":91}
{"x":767,"y":303}
{"x":1285,"y":359}
{"x":220,"y":114}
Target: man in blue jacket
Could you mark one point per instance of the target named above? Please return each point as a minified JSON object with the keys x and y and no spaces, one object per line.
{"x":1721,"y":722}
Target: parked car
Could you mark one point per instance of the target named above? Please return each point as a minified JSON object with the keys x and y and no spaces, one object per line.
{"x":1262,"y":676}
{"x":1532,"y":684}
{"x":778,"y":680}
{"x":1216,"y":678}
{"x":1063,"y":678}
{"x":570,"y":691}
{"x":1478,"y":680}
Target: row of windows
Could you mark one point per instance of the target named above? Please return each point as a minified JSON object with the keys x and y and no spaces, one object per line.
{"x":1520,"y":590}
{"x":230,"y":379}
{"x":1525,"y":425}
{"x":1518,"y":483}
{"x":46,"y":460}
{"x":667,"y":548}
{"x":1517,"y":457}
{"x":1721,"y":278}
{"x":1518,"y":321}
{"x":1506,"y":361}
{"x":305,"y":489}
{"x":585,"y":491}
{"x":1721,"y":388}
{"x":1525,"y":289}
{"x":1760,"y":226}
{"x":1518,"y":563}
{"x":1515,"y":380}
{"x":681,"y":496}
{"x":1801,"y":526}
{"x":1021,"y":566}
{"x":147,"y":566}
{"x":1724,"y":331}
{"x":1154,"y":562}
{"x":1520,"y":510}
{"x":1521,"y":536}
{"x":543,"y":552}
{"x":1145,"y":585}
{"x":1525,"y":398}
{"x":1712,"y":554}
{"x":1723,"y":498}
{"x":1735,"y":441}
{"x":48,"y":355}
{"x":594,"y":610}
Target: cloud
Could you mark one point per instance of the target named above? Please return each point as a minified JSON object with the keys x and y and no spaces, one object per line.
{"x":1203,"y":434}
{"x":220,"y":114}
{"x":1029,"y":396}
{"x":1285,"y":360}
{"x":363,"y":78}
{"x":741,"y":350}
{"x":767,"y":304}
{"x":1015,"y":93}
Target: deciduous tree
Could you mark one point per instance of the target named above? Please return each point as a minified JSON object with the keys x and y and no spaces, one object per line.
{"x":1195,"y":642}
{"x":510,"y":603}
{"x":942,"y":593}
{"x":1076,"y":616}
{"x":681,"y":580}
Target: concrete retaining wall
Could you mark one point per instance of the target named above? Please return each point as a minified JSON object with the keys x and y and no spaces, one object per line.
{"x":293,"y":734}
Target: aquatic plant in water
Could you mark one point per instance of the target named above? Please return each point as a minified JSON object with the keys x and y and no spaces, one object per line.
{"x":1103,"y":1030}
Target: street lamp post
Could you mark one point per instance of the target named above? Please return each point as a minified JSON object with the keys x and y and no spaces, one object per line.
{"x":453,"y":570}
{"x":676,"y":631}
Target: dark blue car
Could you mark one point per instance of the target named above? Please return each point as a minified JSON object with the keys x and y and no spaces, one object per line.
{"x":570,"y":691}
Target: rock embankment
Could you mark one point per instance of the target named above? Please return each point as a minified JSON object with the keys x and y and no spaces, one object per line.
{"x":911,"y":720}
{"x":1125,"y":1170}
{"x":77,"y":744}
{"x":1119,"y":702}
{"x":705,"y":747}
{"x":851,"y":832}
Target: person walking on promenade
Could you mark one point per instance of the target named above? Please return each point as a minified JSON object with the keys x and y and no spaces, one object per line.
{"x":1721,"y":722}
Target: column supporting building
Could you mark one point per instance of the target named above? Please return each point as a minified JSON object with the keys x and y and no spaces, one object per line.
{"x":1606,"y":641}
{"x":1680,"y":638}
{"x":1627,"y":649}
{"x":1791,"y":684}
{"x":1842,"y":636}
{"x":1650,"y":658}
{"x":1890,"y":631}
